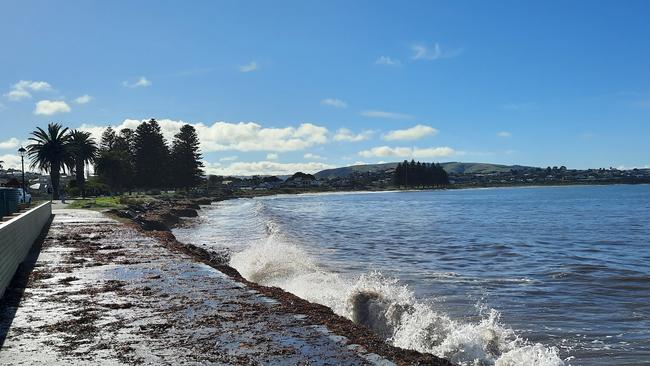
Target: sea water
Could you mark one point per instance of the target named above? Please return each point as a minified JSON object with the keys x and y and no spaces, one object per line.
{"x":502,"y":276}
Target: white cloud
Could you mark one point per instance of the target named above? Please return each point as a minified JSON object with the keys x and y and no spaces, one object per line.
{"x":384,"y":114}
{"x":12,"y":143}
{"x":242,"y":136}
{"x":12,"y":161}
{"x":271,"y":156}
{"x":252,"y":66}
{"x":332,"y":102}
{"x":422,"y":52}
{"x":50,"y":107}
{"x":21,"y":90}
{"x":142,"y":82}
{"x":343,"y":134}
{"x":504,"y":134}
{"x":385,"y":60}
{"x":266,"y":168}
{"x":407,"y":152}
{"x":311,"y":156}
{"x":413,"y":133}
{"x":17,"y":95}
{"x":83,"y":99}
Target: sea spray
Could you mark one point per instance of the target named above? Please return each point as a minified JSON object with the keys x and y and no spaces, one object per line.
{"x":388,"y":308}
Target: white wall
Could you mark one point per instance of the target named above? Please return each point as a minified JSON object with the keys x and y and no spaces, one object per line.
{"x":16,"y":238}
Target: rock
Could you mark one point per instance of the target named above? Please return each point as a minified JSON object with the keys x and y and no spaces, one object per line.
{"x":184,"y":212}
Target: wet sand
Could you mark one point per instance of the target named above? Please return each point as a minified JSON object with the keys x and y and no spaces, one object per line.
{"x":105,"y":292}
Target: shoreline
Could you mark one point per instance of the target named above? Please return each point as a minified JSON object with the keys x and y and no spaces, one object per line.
{"x":392,"y":190}
{"x":288,"y":302}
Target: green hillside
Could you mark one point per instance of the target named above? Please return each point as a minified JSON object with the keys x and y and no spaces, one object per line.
{"x":450,"y":167}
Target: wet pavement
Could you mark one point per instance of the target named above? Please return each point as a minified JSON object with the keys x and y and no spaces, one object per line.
{"x":102,"y":292}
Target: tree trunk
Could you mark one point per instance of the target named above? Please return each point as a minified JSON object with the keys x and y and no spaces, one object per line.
{"x":55,"y":174}
{"x":79,"y":170}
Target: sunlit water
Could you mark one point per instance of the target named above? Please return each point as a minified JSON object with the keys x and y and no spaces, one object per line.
{"x":508,"y":276}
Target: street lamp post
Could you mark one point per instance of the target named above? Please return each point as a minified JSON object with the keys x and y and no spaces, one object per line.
{"x":22,"y":152}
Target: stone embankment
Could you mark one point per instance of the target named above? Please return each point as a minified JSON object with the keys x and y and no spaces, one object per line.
{"x":129,"y":293}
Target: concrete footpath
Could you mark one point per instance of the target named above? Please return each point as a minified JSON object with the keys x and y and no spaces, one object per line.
{"x":103,"y":293}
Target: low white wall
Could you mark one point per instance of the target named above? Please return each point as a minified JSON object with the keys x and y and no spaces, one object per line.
{"x":16,"y":238}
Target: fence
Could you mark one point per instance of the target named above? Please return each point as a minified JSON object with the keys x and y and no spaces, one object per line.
{"x":16,"y":238}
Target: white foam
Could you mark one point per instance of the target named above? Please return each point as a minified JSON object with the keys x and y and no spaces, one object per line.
{"x":389,"y":308}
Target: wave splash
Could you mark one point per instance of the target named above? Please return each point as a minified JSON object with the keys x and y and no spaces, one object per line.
{"x":389,"y":308}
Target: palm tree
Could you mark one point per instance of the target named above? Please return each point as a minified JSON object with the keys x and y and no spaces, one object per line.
{"x":49,"y":153}
{"x":83,"y":149}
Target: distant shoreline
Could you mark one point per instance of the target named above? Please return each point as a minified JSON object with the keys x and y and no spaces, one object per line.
{"x":254,"y":194}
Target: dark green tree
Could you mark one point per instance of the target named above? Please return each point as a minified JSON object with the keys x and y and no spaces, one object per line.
{"x":108,"y":139}
{"x":186,"y":159}
{"x":114,"y":163}
{"x":83,"y":150}
{"x":151,"y":156}
{"x":417,"y":174}
{"x":49,"y":152}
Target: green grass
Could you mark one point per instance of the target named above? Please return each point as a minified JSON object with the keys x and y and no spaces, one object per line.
{"x":116,"y":202}
{"x":98,"y":203}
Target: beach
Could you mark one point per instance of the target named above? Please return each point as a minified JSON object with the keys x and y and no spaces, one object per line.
{"x":105,"y":291}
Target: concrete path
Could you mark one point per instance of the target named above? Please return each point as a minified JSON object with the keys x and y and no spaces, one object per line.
{"x":102,"y":293}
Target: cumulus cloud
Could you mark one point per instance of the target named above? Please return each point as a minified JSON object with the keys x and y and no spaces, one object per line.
{"x":422,"y":52}
{"x":332,"y":102}
{"x":343,"y":134}
{"x":12,"y":143}
{"x":407,"y":152}
{"x":413,"y":133}
{"x":50,"y":107}
{"x":387,"y":61}
{"x":252,"y":66}
{"x":311,"y":156}
{"x":266,"y":168}
{"x":142,"y":82}
{"x":83,"y":99}
{"x":11,"y":161}
{"x":504,"y":134}
{"x":241,"y":136}
{"x":271,"y":156}
{"x":384,"y":114}
{"x":22,"y":89}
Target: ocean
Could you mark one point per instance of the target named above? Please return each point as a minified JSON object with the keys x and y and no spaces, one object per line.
{"x":497,"y":276}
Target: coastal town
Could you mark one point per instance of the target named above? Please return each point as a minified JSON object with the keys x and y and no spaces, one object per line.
{"x":369,"y":179}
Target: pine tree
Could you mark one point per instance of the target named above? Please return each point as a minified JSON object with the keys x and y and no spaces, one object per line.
{"x":108,"y":139}
{"x":114,"y":165}
{"x":186,"y":159}
{"x":418,"y":174}
{"x":151,"y":156}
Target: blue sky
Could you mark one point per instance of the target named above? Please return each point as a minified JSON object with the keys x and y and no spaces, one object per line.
{"x":275,"y":87}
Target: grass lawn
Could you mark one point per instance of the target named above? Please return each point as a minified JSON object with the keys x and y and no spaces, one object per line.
{"x":117,"y":202}
{"x":98,"y":203}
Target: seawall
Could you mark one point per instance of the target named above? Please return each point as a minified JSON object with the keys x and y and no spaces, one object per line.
{"x":17,"y":235}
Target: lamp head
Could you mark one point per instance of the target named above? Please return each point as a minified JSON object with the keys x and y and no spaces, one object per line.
{"x":22,"y":151}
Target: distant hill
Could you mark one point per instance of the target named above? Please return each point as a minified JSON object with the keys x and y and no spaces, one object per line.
{"x":450,"y":167}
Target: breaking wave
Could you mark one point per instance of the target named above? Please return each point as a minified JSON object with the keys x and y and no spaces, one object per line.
{"x":388,"y":307}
